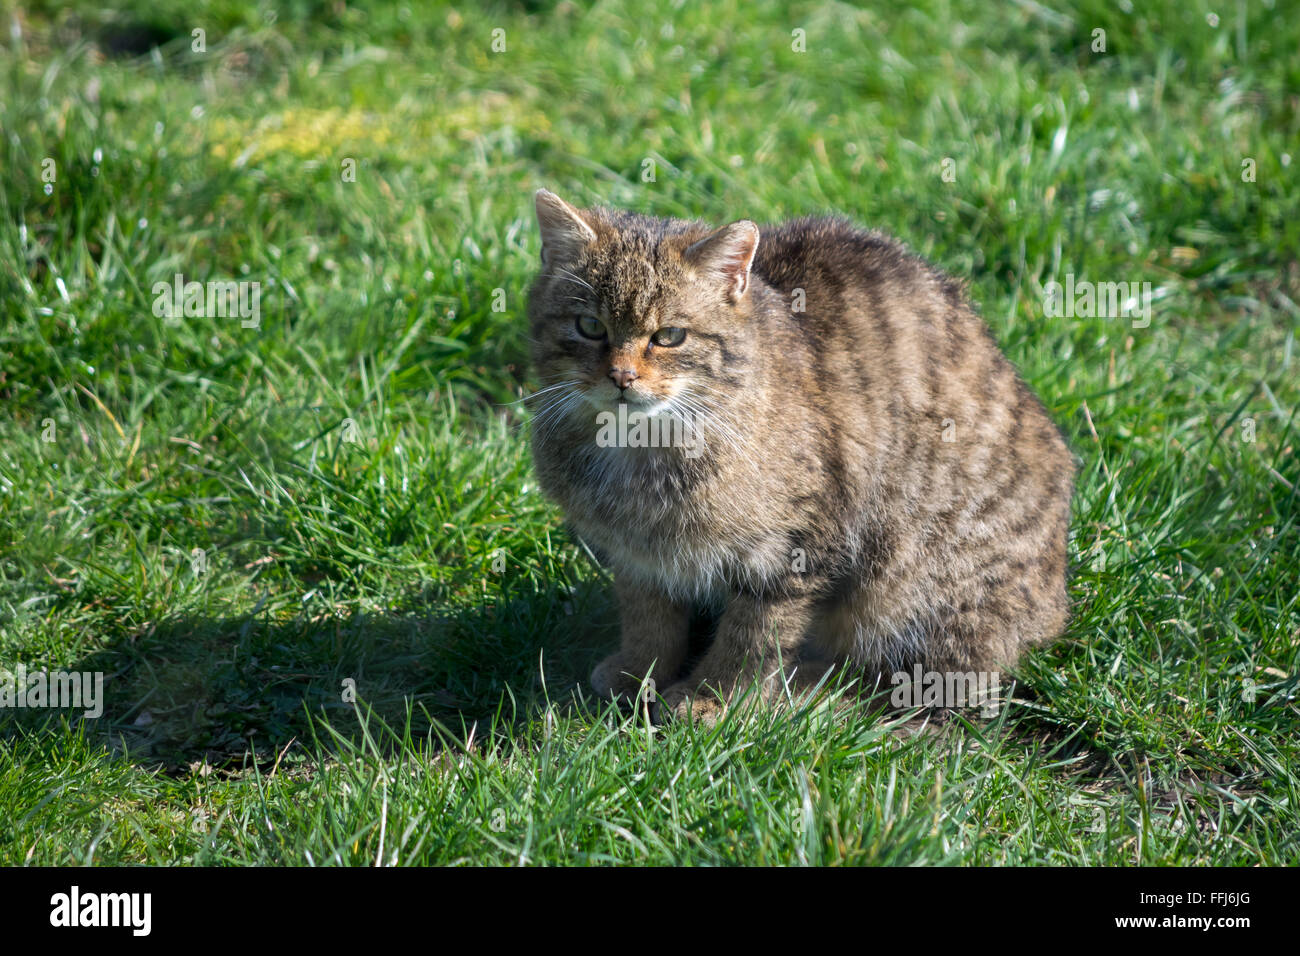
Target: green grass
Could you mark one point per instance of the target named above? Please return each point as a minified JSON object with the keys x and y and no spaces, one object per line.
{"x":419,"y":560}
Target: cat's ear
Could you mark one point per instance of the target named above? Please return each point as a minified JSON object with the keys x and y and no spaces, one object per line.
{"x":564,"y":231}
{"x":727,"y":254}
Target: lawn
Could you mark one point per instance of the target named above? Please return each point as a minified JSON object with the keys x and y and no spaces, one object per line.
{"x":336,"y":621}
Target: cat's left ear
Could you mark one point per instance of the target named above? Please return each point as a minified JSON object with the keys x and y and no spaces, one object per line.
{"x":727,"y":254}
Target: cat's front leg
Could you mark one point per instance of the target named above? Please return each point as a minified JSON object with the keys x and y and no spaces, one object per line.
{"x":756,"y":636}
{"x":655,"y":633}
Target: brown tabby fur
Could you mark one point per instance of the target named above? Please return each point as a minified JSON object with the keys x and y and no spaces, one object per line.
{"x":827,"y":520}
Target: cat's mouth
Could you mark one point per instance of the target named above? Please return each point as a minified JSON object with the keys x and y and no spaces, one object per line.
{"x":608,"y":400}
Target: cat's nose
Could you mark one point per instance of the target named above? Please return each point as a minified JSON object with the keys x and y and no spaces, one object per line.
{"x":622,"y":376}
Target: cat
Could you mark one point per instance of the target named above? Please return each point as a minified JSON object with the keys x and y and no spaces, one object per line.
{"x":869,"y":482}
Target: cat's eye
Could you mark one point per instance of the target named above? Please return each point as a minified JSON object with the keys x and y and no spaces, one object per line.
{"x":668,"y":337}
{"x":590,"y":327}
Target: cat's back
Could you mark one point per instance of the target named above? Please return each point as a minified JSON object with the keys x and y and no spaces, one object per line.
{"x":832,"y":255}
{"x":859,"y":304}
{"x":889,"y":345}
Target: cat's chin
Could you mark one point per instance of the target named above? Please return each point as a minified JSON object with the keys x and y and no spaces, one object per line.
{"x":633,"y":405}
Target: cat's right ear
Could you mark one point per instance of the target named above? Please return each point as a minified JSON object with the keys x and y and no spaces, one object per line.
{"x":564,"y":232}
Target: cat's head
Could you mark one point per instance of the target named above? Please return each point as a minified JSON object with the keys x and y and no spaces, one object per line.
{"x":647,"y":312}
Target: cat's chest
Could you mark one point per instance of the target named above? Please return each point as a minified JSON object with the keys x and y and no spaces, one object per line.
{"x":680,"y":526}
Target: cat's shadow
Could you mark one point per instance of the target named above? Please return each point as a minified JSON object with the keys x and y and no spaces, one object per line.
{"x":230,"y":691}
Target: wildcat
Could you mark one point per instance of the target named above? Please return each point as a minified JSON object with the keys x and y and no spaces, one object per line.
{"x":870,"y":481}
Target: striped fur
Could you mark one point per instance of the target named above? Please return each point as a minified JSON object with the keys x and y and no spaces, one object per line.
{"x":827,"y":519}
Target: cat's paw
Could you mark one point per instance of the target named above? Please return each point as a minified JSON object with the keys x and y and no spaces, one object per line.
{"x":615,"y":679}
{"x":682,"y":702}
